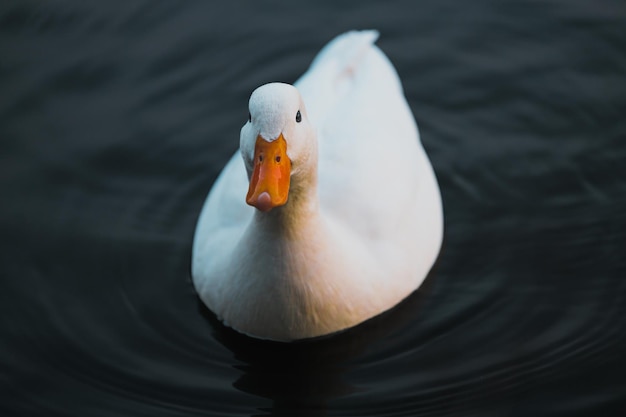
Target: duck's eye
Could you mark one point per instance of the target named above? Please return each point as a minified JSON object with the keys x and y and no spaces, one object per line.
{"x":277,"y":159}
{"x":298,"y":117}
{"x":249,"y":117}
{"x":260,"y":158}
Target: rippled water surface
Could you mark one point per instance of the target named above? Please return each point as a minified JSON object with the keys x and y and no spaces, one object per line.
{"x":115,"y":119}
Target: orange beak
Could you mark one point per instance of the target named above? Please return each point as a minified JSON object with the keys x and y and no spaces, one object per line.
{"x":269,"y":185}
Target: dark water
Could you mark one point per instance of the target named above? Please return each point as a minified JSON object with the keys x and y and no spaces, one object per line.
{"x":116,"y":119}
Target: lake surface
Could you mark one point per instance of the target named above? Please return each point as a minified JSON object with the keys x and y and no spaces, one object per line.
{"x":115,"y":119}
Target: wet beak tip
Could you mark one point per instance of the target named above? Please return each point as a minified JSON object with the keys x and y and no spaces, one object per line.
{"x":264,"y":202}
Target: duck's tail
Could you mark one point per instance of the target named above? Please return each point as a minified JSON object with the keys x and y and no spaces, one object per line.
{"x":346,"y":51}
{"x":333,"y":71}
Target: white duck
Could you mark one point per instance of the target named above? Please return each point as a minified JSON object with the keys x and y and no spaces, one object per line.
{"x":341,"y":223}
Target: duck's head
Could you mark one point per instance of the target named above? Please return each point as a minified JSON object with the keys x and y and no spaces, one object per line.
{"x":277,"y":143}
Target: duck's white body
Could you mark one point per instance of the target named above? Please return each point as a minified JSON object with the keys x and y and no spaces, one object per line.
{"x":363,"y":222}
